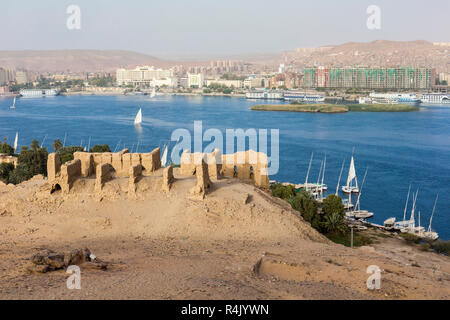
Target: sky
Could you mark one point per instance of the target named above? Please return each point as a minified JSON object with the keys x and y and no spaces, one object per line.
{"x":194,"y":28}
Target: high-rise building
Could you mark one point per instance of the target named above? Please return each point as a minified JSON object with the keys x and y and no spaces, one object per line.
{"x":369,"y":78}
{"x":21,"y":77}
{"x":6,"y":76}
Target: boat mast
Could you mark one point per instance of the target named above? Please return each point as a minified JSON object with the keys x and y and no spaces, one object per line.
{"x":406,"y":204}
{"x":413,"y":209}
{"x":432,"y":213}
{"x":357,"y":206}
{"x":320,"y":173}
{"x":323,"y":172}
{"x":309,"y":168}
{"x":340,"y":175}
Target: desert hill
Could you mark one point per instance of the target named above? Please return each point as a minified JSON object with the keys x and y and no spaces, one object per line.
{"x":75,"y":60}
{"x":375,"y":53}
{"x":237,"y":243}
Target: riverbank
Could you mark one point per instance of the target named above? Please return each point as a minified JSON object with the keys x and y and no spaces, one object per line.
{"x":331,"y":108}
{"x":314,"y":108}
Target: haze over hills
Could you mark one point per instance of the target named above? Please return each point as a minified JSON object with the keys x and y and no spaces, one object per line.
{"x":75,"y":60}
{"x":375,"y":53}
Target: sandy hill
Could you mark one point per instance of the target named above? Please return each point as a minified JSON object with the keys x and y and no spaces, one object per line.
{"x":376,"y":53}
{"x":170,"y":246}
{"x":75,"y":60}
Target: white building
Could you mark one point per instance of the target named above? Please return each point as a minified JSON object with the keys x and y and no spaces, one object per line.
{"x":195,"y":80}
{"x":141,"y":75}
{"x":168,"y":82}
{"x":225,"y":83}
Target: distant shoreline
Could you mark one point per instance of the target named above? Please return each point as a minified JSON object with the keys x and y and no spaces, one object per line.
{"x":332,"y":108}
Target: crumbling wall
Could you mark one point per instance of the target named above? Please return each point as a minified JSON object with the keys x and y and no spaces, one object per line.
{"x":203,"y":181}
{"x":87,"y":163}
{"x":168,"y":178}
{"x":53,"y":166}
{"x":243,"y":165}
{"x":102,"y":175}
{"x":70,"y":171}
{"x":6,"y":158}
{"x":135,"y":173}
{"x":189,"y":162}
{"x":121,"y":162}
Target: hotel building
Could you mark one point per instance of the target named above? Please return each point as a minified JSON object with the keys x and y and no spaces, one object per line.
{"x":369,"y":78}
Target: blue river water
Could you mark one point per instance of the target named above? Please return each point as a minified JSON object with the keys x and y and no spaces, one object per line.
{"x":397,"y":148}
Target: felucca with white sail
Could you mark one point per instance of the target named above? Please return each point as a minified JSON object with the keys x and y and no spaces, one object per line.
{"x":138,"y":119}
{"x":352,"y":180}
{"x":358,"y":213}
{"x":14,"y":104}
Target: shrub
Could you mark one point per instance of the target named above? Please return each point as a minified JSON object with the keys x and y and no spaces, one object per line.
{"x":5,"y":171}
{"x":6,"y":148}
{"x":31,"y":162}
{"x":66,"y":153}
{"x":333,"y":204}
{"x":283,"y":192}
{"x":410,"y":238}
{"x":100,"y":148}
{"x":441,"y":246}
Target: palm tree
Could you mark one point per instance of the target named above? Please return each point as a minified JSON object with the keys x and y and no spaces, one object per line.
{"x":334,"y":222}
{"x":57,"y":144}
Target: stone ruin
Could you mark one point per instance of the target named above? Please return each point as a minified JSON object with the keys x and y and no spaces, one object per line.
{"x":246,"y":165}
{"x":203,"y":181}
{"x":6,"y":158}
{"x":168,"y":179}
{"x":105,"y":166}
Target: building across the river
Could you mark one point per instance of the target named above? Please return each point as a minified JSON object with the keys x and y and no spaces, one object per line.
{"x":405,"y":78}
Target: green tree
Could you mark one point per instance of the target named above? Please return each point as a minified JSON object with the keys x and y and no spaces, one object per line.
{"x":31,"y":161}
{"x":5,"y":171}
{"x":66,"y":153}
{"x":100,"y":148}
{"x":283,"y":192}
{"x":57,"y":144}
{"x":334,"y":223}
{"x":333,"y":204}
{"x":6,"y":148}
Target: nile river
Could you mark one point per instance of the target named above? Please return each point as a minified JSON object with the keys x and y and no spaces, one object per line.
{"x":397,"y":148}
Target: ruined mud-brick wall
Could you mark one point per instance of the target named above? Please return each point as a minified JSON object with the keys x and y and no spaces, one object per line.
{"x":243,"y":165}
{"x":62,"y":175}
{"x":6,"y":158}
{"x":121,"y":161}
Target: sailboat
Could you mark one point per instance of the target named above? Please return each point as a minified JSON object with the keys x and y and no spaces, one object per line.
{"x":138,"y":119}
{"x":14,"y":104}
{"x":430,"y":234}
{"x":408,"y":225}
{"x":350,"y":187}
{"x":164,"y":156}
{"x":16,"y":140}
{"x":358,"y":213}
{"x":347,"y":204}
{"x":153,"y":94}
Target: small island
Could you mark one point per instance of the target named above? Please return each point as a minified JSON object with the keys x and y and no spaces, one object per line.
{"x":334,"y":108}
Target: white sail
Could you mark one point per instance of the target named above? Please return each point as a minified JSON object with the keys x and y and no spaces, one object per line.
{"x":153,"y":94}
{"x":351,"y":172}
{"x":16,"y":141}
{"x":164,"y":157}
{"x":138,"y":118}
{"x":14,"y":103}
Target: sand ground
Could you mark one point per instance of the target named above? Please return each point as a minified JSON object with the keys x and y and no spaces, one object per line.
{"x":172,"y":246}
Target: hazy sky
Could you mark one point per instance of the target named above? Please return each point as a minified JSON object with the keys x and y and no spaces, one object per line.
{"x":215,"y":27}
